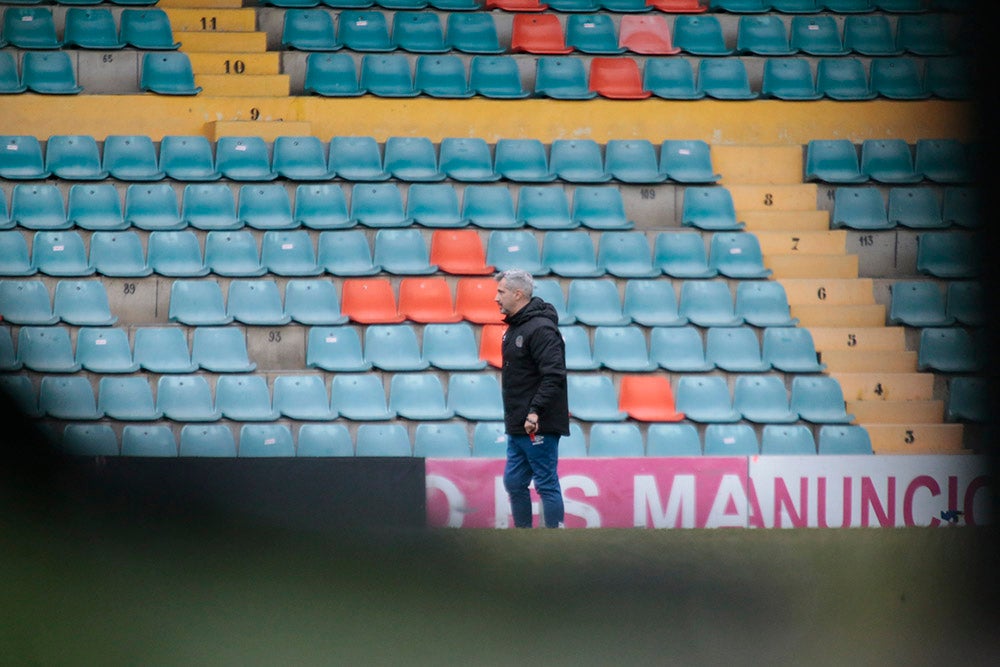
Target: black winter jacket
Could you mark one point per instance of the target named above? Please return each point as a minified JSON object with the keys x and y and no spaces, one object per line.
{"x":534,"y":370}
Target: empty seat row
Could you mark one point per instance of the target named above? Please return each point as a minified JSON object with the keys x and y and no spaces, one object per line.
{"x":53,"y":73}
{"x":733,"y":6}
{"x":88,"y":28}
{"x":568,"y":77}
{"x":77,"y":302}
{"x":891,"y":161}
{"x":355,"y":158}
{"x":451,"y":440}
{"x":923,"y":303}
{"x":865,"y":207}
{"x":668,"y":6}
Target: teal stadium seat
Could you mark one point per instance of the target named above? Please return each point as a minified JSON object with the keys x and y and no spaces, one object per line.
{"x":256,"y":303}
{"x":489,"y":440}
{"x":819,"y":399}
{"x":321,"y":206}
{"x":451,"y":347}
{"x":791,"y":349}
{"x":265,"y":206}
{"x":682,"y":255}
{"x":764,"y":35}
{"x":622,"y":349}
{"x":60,"y":254}
{"x":817,"y":36}
{"x":91,"y":28}
{"x":69,"y":397}
{"x":313,"y":302}
{"x":188,"y":158}
{"x":309,"y":30}
{"x":787,"y":439}
{"x":579,"y":355}
{"x":544,"y":207}
{"x":489,"y":207}
{"x":332,"y":75}
{"x":924,"y":34}
{"x":302,"y":397}
{"x":147,"y":29}
{"x":186,"y":398}
{"x":651,"y":303}
{"x":843,"y":78}
{"x":592,"y":33}
{"x":402,"y":252}
{"x":848,"y":6}
{"x":289,"y":253}
{"x":266,"y":440}
{"x":632,"y":161}
{"x":897,"y":78}
{"x":725,"y":79}
{"x":550,"y":291}
{"x":22,"y":394}
{"x":708,"y":303}
{"x":448,"y":440}
{"x":888,"y":161}
{"x":710,"y":209}
{"x":943,"y":160}
{"x":735,"y":350}
{"x":418,"y":32}
{"x":600,"y":207}
{"x":360,"y":30}
{"x":475,"y":396}
{"x":916,"y":207}
{"x":442,"y":75}
{"x":593,"y":398}
{"x":705,"y":399}
{"x":739,"y":6}
{"x":378,"y":205}
{"x":243,"y":159}
{"x":89,"y":440}
{"x":969,"y":399}
{"x":233,"y":254}
{"x":833,"y":161}
{"x":74,"y":157}
{"x":15,"y":258}
{"x":950,"y":350}
{"x":131,"y":158}
{"x":176,"y":254}
{"x":496,"y":77}
{"x":127,"y":398}
{"x":393,"y":347}
{"x":861,"y":208}
{"x":870,"y":35}
{"x":387,"y":75}
{"x":789,"y":79}
{"x":949,"y":77}
{"x":672,"y":440}
{"x":10,"y":74}
{"x":474,"y":32}
{"x":383,"y":440}
{"x":523,"y":161}
{"x":731,"y":440}
{"x":152,"y":207}
{"x":38,"y":206}
{"x":118,"y":254}
{"x":153,"y":440}
{"x":687,"y":161}
{"x":221,"y":350}
{"x":951,"y":255}
{"x":346,"y":253}
{"x":95,"y":207}
{"x":418,"y":396}
{"x":570,"y":254}
{"x":163,"y":350}
{"x":843,"y":440}
{"x":26,"y":302}
{"x":46,"y":349}
{"x":966,"y":302}
{"x":300,"y":159}
{"x":360,"y":398}
{"x":197,"y":303}
{"x":700,"y":35}
{"x":763,"y":303}
{"x":737,"y":255}
{"x":244,"y":398}
{"x":334,"y":349}
{"x":412,"y":159}
{"x":167,"y":73}
{"x":207,"y":440}
{"x":30,"y":28}
{"x":562,"y":78}
{"x":595,"y":302}
{"x":21,"y":158}
{"x":357,"y":159}
{"x":763,"y":399}
{"x":467,"y":159}
{"x":671,"y":79}
{"x":323,"y":440}
{"x":626,"y":255}
{"x":620,"y":440}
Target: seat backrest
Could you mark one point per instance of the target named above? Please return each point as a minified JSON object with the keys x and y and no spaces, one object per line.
{"x":646,"y":34}
{"x":90,"y":440}
{"x":95,"y":206}
{"x":434,"y":205}
{"x":321,"y":206}
{"x":163,"y":350}
{"x":131,"y":157}
{"x":332,"y":75}
{"x":833,"y":161}
{"x":74,"y":157}
{"x":496,"y":77}
{"x":60,"y":253}
{"x":708,"y":303}
{"x":118,"y":254}
{"x":648,"y":398}
{"x":791,"y":349}
{"x":725,"y":78}
{"x":418,"y":32}
{"x":860,"y":207}
{"x":335,"y":348}
{"x":763,"y":304}
{"x":387,"y":75}
{"x":82,"y":303}
{"x":793,"y":439}
{"x":731,"y":440}
{"x":233,"y":253}
{"x":763,"y":399}
{"x":356,"y":158}
{"x":186,"y":398}
{"x":737,"y":255}
{"x":22,"y":157}
{"x":705,"y":398}
{"x":538,"y":33}
{"x":843,"y":78}
{"x":402,"y":252}
{"x":622,"y":440}
{"x":289,"y":253}
{"x":69,"y":397}
{"x":46,"y":349}
{"x":378,"y":205}
{"x":671,"y":78}
{"x":212,"y":440}
{"x":418,"y":396}
{"x":370,"y":301}
{"x":324,"y":440}
{"x":197,"y":303}
{"x":475,"y":300}
{"x":168,"y":73}
{"x":154,"y":440}
{"x":593,"y":398}
{"x":265,"y":206}
{"x":15,"y":258}
{"x":475,"y":396}
{"x":600,"y":207}
{"x":30,"y":28}
{"x":441,"y":441}
{"x":243,"y":158}
{"x":302,"y":397}
{"x":266,"y":440}
{"x":383,"y":440}
{"x":595,"y":302}
{"x":474,"y":32}
{"x":221,"y":350}
{"x":700,"y":35}
{"x":10,"y":75}
{"x":897,"y":78}
{"x":819,"y":399}
{"x":734,"y":349}
{"x":562,"y":77}
{"x":544,"y":207}
{"x":308,"y":30}
{"x":176,"y":254}
{"x":244,"y":398}
{"x":592,"y":33}
{"x":835,"y":439}
{"x":570,"y":254}
{"x":632,"y":161}
{"x":209,"y":207}
{"x":672,"y":440}
{"x":888,"y":161}
{"x":127,"y":398}
{"x":709,"y":208}
{"x":299,"y":158}
{"x":345,"y":253}
{"x":147,"y":29}
{"x":152,"y":206}
{"x":256,"y":302}
{"x":763,"y":34}
{"x":451,"y":346}
{"x":622,"y":349}
{"x":393,"y":347}
{"x":816,"y":35}
{"x":626,"y":255}
{"x":188,"y":158}
{"x":361,"y":30}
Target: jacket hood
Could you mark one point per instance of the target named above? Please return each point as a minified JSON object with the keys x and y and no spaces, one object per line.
{"x":534,"y":308}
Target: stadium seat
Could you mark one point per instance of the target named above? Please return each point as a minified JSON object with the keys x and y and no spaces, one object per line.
{"x":708,"y":303}
{"x":523,"y":161}
{"x":840,"y":440}
{"x":870,"y":35}
{"x":566,"y":6}
{"x":434,"y":205}
{"x":700,"y":35}
{"x":763,"y":399}
{"x":244,"y":398}
{"x":833,"y":161}
{"x":622,"y":349}
{"x":550,"y":291}
{"x":209,"y":440}
{"x":323,"y":440}
{"x":427,"y":299}
{"x":474,"y":32}
{"x":467,"y":159}
{"x":475,"y":300}
{"x":95,"y":206}
{"x":30,"y":28}
{"x":600,"y":207}
{"x":618,"y":79}
{"x":848,"y":6}
{"x":210,"y":207}
{"x":960,"y":206}
{"x":709,"y":208}
{"x":321,"y":206}
{"x":725,"y":79}
{"x":496,"y":77}
{"x":966,"y":302}
{"x":592,"y":33}
{"x":82,"y":303}
{"x":682,"y":255}
{"x":300,"y":159}
{"x":626,"y":255}
{"x":897,"y":78}
{"x":916,"y":208}
{"x":544,"y":207}
{"x":949,"y":78}
{"x":579,"y":356}
{"x":60,"y":253}
{"x":787,"y":439}
{"x":264,"y":206}
{"x":15,"y":258}
{"x":308,"y":30}
{"x":370,"y":301}
{"x":197,"y":303}
{"x":671,"y":79}
{"x":20,"y":390}
{"x":147,"y":29}
{"x":104,"y":350}
{"x":302,"y":397}
{"x":648,"y":398}
{"x":950,"y":255}
{"x":737,"y":255}
{"x":313,"y":302}
{"x":447,"y":440}
{"x":256,"y":303}
{"x":168,"y":73}
{"x":10,"y":74}
{"x":459,"y":252}
{"x":861,"y":208}
{"x":289,"y":253}
{"x":8,"y":357}
{"x":538,"y":34}
{"x":924,"y":34}
{"x":152,"y":207}
{"x":633,"y":161}
{"x":357,"y":158}
{"x":412,"y":159}
{"x":651,"y":303}
{"x":817,"y":36}
{"x":233,"y":254}
{"x":176,"y":254}
{"x":819,"y":399}
{"x":128,"y":398}
{"x":387,"y":75}
{"x":360,"y":30}
{"x":188,"y":158}
{"x":69,"y":397}
{"x":489,"y":440}
{"x":131,"y":157}
{"x":243,"y":159}
{"x":592,"y":398}
{"x":451,"y":347}
{"x":26,"y":302}
{"x":595,"y":302}
{"x":49,"y":73}
{"x":393,"y":347}
{"x":969,"y":399}
{"x":74,"y":157}
{"x":619,"y":440}
{"x":186,"y":398}
{"x":118,"y":254}
{"x":672,"y":440}
{"x":335,"y":349}
{"x":731,"y":440}
{"x":843,"y":78}
{"x":221,"y":350}
{"x":418,"y":396}
{"x":345,"y":253}
{"x":332,"y":75}
{"x":89,"y":440}
{"x":734,"y":349}
{"x":646,"y":35}
{"x":22,"y":158}
{"x":418,"y":32}
{"x":383,"y":440}
{"x":950,"y":350}
{"x":153,"y":440}
{"x":943,"y":160}
{"x":378,"y":205}
{"x":570,"y":254}
{"x":516,"y":5}
{"x":475,"y":396}
{"x":562,"y":78}
{"x":888,"y":161}
{"x":489,"y":207}
{"x":162,"y":350}
{"x":402,"y":252}
{"x":442,"y":76}
{"x":490,"y":343}
{"x":764,"y":35}
{"x":687,"y":161}
{"x":763,"y":303}
{"x":46,"y":349}
{"x":705,"y":399}
{"x":791,"y":349}
{"x":739,"y":6}
{"x":265,"y":440}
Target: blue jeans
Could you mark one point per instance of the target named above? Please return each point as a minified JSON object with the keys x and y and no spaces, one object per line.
{"x":538,"y":460}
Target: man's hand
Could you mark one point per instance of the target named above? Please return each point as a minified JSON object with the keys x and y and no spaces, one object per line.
{"x":531,"y":423}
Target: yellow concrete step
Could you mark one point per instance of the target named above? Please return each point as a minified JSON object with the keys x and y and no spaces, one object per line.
{"x":898,"y":361}
{"x":914,"y":438}
{"x":897,"y":412}
{"x":859,"y":338}
{"x":800,"y":197}
{"x":236,"y":64}
{"x":268,"y":130}
{"x":786,"y":266}
{"x":885,"y":386}
{"x":758,"y":164}
{"x":246,"y":85}
{"x":803,"y":242}
{"x":201,"y":4}
{"x":212,"y":19}
{"x":221,"y":42}
{"x":784,"y":220}
{"x":829,"y":290}
{"x":829,"y":315}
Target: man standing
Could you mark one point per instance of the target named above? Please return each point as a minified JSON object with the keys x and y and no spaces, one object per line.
{"x":535,"y":404}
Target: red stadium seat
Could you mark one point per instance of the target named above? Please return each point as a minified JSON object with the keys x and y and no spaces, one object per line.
{"x":679,"y":6}
{"x":475,"y":300}
{"x":370,"y":301}
{"x":459,"y":252}
{"x":426,"y":299}
{"x":646,"y":34}
{"x":516,"y":5}
{"x":648,"y":398}
{"x":490,"y":344}
{"x":538,"y":34}
{"x":617,"y":78}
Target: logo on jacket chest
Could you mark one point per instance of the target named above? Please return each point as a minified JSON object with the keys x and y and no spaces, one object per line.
{"x":519,"y":342}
